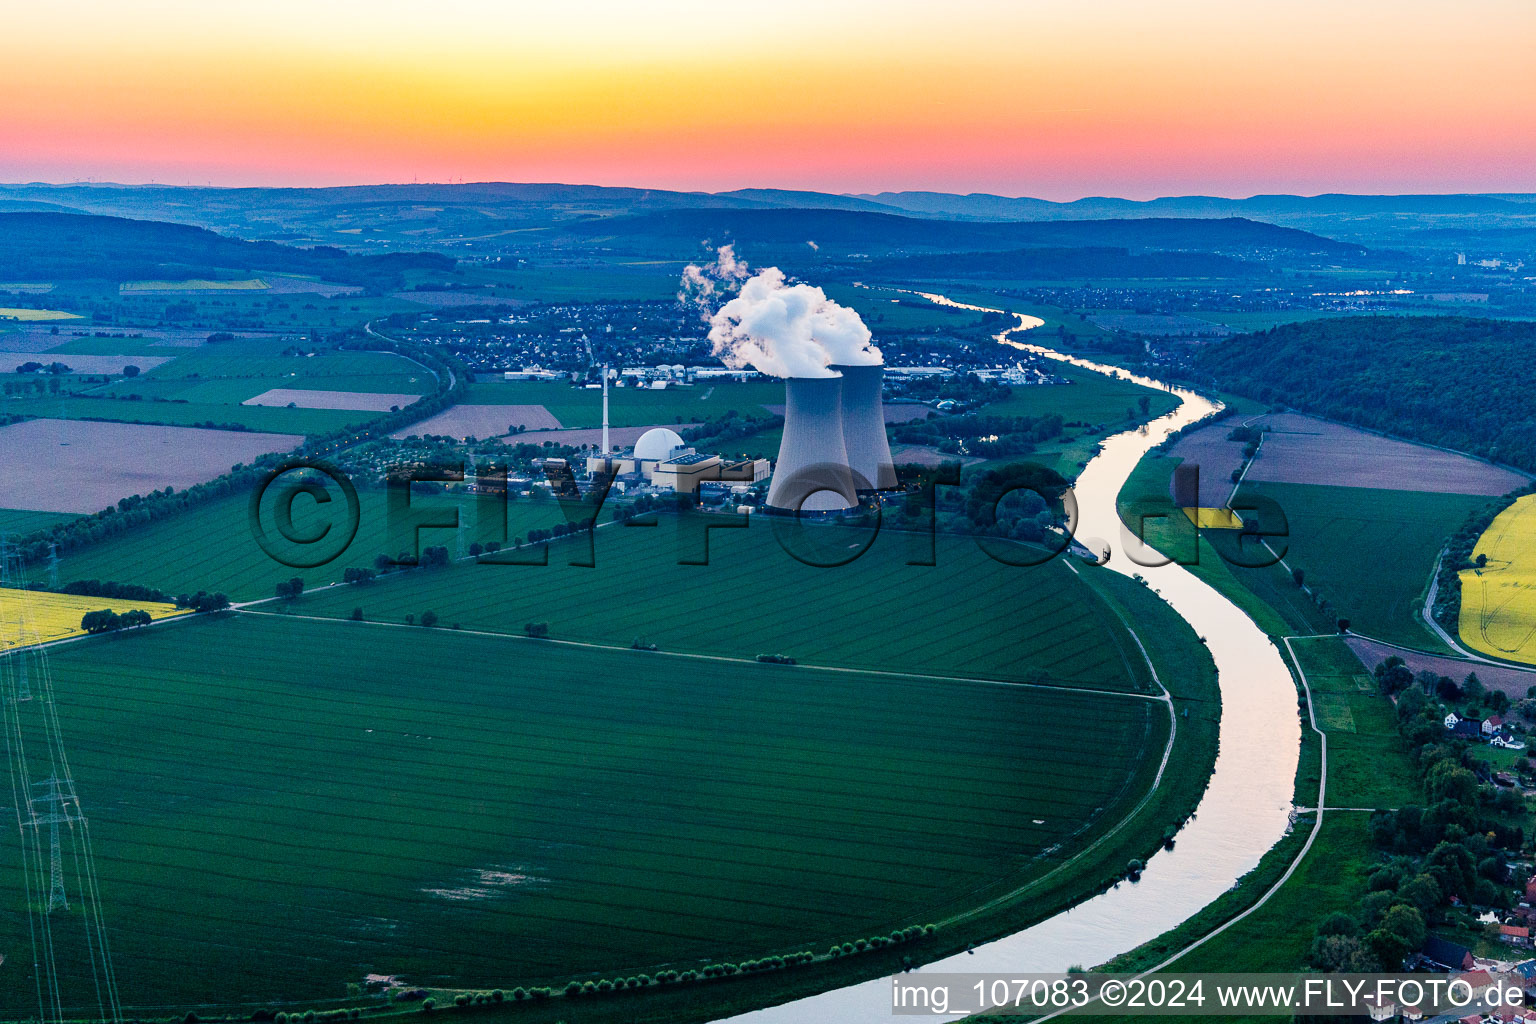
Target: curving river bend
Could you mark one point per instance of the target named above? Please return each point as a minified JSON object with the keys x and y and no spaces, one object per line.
{"x":1246,"y":808}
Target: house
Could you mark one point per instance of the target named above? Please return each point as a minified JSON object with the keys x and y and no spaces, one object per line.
{"x":1526,"y":972}
{"x":1515,"y":934}
{"x":1471,"y":728}
{"x":1384,"y":1010}
{"x":1451,"y":719}
{"x":1530,"y":889}
{"x":1507,"y":741}
{"x":1448,"y":954}
{"x":1492,"y":725}
{"x":1478,"y":981}
{"x":1412,"y":1013}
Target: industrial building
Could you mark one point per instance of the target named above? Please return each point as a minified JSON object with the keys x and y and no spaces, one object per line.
{"x":834,"y":446}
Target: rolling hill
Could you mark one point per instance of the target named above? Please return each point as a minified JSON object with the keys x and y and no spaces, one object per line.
{"x":66,"y":246}
{"x":853,"y":229}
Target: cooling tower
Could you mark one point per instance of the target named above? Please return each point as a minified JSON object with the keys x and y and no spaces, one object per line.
{"x":869,"y":453}
{"x":812,"y":473}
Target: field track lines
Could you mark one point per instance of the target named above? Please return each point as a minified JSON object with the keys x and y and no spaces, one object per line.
{"x":1173,"y":727}
{"x":246,"y":610}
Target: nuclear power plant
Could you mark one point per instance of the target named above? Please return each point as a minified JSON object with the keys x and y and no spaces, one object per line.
{"x":834,"y":443}
{"x":869,"y":453}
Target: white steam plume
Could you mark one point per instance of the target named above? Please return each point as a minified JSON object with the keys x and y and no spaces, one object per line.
{"x":778,"y":328}
{"x":705,"y":287}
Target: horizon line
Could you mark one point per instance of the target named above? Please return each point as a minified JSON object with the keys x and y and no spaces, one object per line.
{"x":210,"y":186}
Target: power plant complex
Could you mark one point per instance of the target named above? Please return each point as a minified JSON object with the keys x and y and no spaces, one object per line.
{"x":834,"y":444}
{"x":834,"y":448}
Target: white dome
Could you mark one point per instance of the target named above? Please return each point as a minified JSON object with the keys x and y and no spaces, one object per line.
{"x":657,"y":443}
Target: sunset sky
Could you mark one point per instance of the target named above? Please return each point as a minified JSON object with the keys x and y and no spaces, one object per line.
{"x":1057,"y":100}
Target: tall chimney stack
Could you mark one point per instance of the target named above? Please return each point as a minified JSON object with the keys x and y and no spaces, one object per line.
{"x":812,"y":473}
{"x":606,"y":448}
{"x":869,"y":453}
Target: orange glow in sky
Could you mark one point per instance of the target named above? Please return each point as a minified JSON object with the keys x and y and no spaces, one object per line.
{"x":1056,"y":100}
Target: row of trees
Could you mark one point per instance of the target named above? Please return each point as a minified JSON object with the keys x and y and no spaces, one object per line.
{"x":1458,"y":557}
{"x":715,"y":434}
{"x":987,"y":436}
{"x":108,"y":621}
{"x":116,"y":591}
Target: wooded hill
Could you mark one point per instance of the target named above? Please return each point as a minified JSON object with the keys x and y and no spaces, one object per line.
{"x":1462,"y":382}
{"x":72,"y":247}
{"x":863,"y":230}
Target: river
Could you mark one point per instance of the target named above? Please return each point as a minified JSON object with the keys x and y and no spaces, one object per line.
{"x":1244,"y":811}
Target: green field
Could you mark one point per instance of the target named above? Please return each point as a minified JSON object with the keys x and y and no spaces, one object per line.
{"x":20,"y":522}
{"x":261,"y":360}
{"x":966,"y":616}
{"x":212,"y":547}
{"x":1370,"y":552}
{"x":1367,"y":765}
{"x":1261,"y":321}
{"x":207,"y":384}
{"x":632,"y":407}
{"x":635,"y":281}
{"x":315,"y":801}
{"x":1091,"y":398}
{"x":266,"y":419}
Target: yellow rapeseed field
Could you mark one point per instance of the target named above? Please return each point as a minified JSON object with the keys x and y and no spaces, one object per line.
{"x":15,"y":313}
{"x":1214,"y":518}
{"x":1498,"y":601}
{"x":34,"y":616}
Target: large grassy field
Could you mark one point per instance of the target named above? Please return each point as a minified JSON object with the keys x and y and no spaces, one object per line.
{"x":20,"y":522}
{"x":207,"y":384}
{"x":967,"y":616}
{"x":263,"y":419}
{"x":1368,"y":765}
{"x":213,"y":547}
{"x":1369,"y":551}
{"x":1091,"y":398}
{"x":279,"y":806}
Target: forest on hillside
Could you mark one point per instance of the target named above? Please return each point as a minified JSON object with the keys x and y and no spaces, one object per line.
{"x":72,"y":247}
{"x":1462,"y":382}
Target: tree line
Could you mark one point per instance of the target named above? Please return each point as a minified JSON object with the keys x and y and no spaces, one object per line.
{"x":1463,"y":382}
